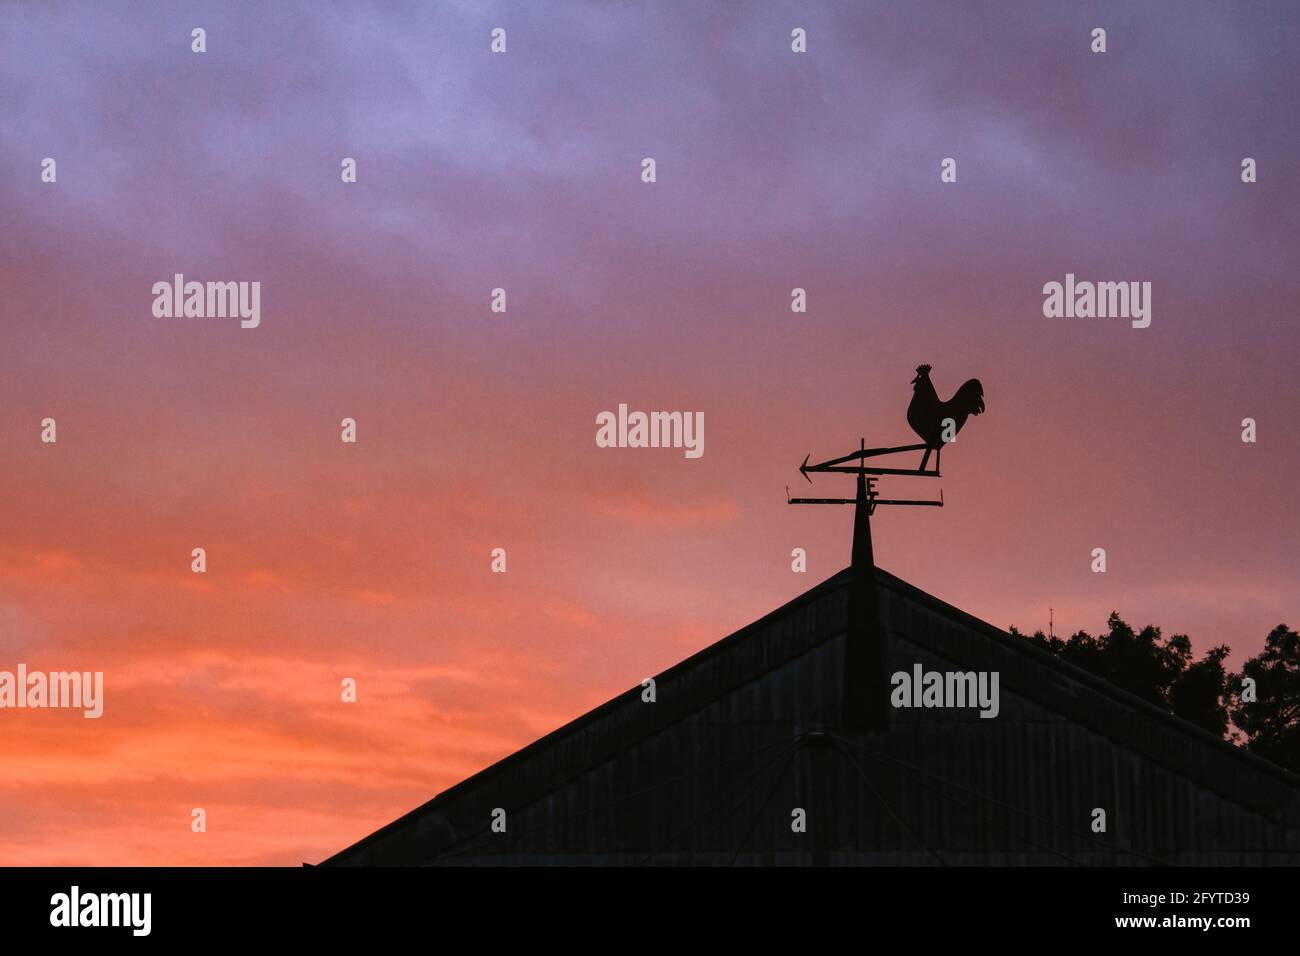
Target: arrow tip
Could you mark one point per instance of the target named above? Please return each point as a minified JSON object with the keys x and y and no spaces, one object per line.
{"x":803,"y":469}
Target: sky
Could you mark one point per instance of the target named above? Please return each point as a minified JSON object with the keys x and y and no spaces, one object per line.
{"x":476,"y":430}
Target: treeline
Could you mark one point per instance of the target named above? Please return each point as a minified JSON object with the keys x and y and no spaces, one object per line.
{"x":1257,"y":708}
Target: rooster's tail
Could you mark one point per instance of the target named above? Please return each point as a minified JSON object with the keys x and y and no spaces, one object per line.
{"x":970,"y":397}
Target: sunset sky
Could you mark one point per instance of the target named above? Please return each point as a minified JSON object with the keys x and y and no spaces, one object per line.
{"x":476,"y":430}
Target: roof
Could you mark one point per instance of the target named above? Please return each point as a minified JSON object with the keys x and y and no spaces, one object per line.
{"x":746,"y":665}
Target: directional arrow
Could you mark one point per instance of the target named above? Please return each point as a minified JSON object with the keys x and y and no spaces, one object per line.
{"x":859,"y":467}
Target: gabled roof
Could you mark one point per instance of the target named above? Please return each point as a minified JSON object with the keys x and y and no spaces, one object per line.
{"x":909,"y":616}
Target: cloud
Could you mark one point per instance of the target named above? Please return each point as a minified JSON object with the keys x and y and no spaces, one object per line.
{"x":476,"y":429}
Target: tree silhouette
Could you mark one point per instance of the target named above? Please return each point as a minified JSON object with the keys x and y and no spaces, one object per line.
{"x":1199,"y":694}
{"x":1271,"y":723}
{"x":1157,"y":669}
{"x":1161,"y":670}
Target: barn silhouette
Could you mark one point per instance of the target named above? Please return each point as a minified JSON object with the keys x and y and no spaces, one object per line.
{"x":757,"y":728}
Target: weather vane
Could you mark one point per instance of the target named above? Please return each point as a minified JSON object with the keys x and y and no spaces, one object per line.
{"x":865,"y":696}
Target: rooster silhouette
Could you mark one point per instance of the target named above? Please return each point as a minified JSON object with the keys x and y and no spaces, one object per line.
{"x":927,"y":415}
